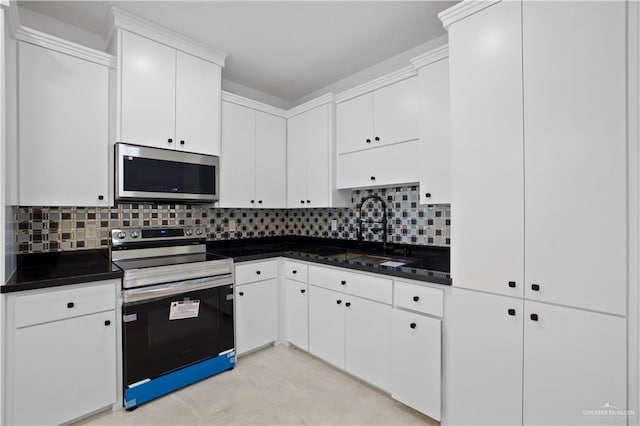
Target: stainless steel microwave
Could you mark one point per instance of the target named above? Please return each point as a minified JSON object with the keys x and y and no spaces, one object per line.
{"x":164,"y":175}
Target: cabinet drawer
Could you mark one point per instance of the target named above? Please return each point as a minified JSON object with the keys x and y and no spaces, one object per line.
{"x":374,"y":288}
{"x":295,"y":271}
{"x":60,"y":304}
{"x":256,"y":272}
{"x":418,"y":298}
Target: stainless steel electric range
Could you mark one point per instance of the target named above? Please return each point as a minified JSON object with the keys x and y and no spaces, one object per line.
{"x":177,"y":310}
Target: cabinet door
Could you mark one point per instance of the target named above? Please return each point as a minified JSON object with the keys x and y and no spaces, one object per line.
{"x":574,"y":364}
{"x":238,"y":156}
{"x":256,"y":315}
{"x":65,"y":369}
{"x":148,"y":98}
{"x":483,"y":359}
{"x":297,"y":313}
{"x":485,"y":59}
{"x":416,"y":362}
{"x":387,"y":165}
{"x":395,"y":112}
{"x":63,"y":129}
{"x":435,"y":134}
{"x":575,"y":153}
{"x":271,"y":152}
{"x":368,"y":341}
{"x":197,"y":105}
{"x":326,"y":325}
{"x":297,"y":131}
{"x":354,"y":124}
{"x":318,"y":165}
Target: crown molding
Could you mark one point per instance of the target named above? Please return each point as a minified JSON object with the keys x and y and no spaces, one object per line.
{"x":314,"y":103}
{"x":462,"y":10}
{"x":29,"y":35}
{"x":385,"y":80}
{"x":250,"y":103}
{"x":130,"y":22}
{"x":13,"y":16}
{"x":435,"y":55}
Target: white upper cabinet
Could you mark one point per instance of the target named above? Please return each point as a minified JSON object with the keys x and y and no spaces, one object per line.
{"x":168,"y":98}
{"x":197,"y":104}
{"x":575,"y":153}
{"x":487,"y":207}
{"x":311,"y":161}
{"x":63,"y":124}
{"x":385,"y":116}
{"x":252,"y":160}
{"x":435,"y":127}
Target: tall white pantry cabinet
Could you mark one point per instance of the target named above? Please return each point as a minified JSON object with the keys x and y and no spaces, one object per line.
{"x":537,"y":316}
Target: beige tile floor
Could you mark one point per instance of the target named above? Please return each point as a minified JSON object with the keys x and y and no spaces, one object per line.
{"x":275,"y":386}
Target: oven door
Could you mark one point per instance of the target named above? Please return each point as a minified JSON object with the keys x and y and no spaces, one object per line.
{"x":173,"y":329}
{"x":144,"y":173}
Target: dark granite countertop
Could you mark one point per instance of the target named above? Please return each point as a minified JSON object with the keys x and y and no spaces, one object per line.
{"x":423,"y":263}
{"x":42,"y":270}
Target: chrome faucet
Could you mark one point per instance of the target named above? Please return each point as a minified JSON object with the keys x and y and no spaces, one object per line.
{"x":384,"y":220}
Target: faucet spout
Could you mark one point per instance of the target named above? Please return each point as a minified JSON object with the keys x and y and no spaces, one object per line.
{"x":383,"y":222}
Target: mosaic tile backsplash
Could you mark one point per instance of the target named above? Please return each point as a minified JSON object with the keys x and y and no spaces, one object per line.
{"x":43,"y":229}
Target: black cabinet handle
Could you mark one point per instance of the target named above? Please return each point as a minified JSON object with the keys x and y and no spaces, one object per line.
{"x":343,"y":282}
{"x":181,"y":142}
{"x":170,"y":140}
{"x":259,"y":201}
{"x":70,"y":305}
{"x":413,"y":325}
{"x":338,"y":301}
{"x":373,"y":178}
{"x":294,"y":272}
{"x":241,"y":293}
{"x":347,"y":304}
{"x":511,"y":312}
{"x":512,"y":284}
{"x":107,"y":323}
{"x":308,"y":201}
{"x":100,"y":197}
{"x":258,"y":272}
{"x":428,"y":195}
{"x":301,"y":201}
{"x":416,"y":298}
{"x":535,"y":287}
{"x":377,"y":139}
{"x":302,"y":290}
{"x":253,"y":201}
{"x":368,"y":140}
{"x":534,"y":317}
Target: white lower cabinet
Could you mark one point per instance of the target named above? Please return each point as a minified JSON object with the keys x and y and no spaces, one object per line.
{"x":416,"y":361}
{"x":326,"y":325}
{"x":368,"y":341}
{"x":297,"y":313}
{"x":570,"y":363}
{"x":61,"y":368}
{"x":256,"y":314}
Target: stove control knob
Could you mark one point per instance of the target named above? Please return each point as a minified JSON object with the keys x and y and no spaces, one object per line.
{"x":198,"y":231}
{"x":120,"y":235}
{"x":135,"y":234}
{"x":189,"y":232}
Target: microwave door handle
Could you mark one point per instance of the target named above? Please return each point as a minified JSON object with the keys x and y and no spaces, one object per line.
{"x":156,"y":292}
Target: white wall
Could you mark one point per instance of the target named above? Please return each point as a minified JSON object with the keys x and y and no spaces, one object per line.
{"x":48,"y":25}
{"x":394,"y":63}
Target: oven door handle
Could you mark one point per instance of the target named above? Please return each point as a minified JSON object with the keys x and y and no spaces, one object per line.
{"x":160,"y":291}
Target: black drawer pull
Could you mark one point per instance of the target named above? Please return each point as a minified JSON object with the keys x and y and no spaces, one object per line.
{"x":100,"y":197}
{"x":416,"y":298}
{"x":258,"y":272}
{"x":534,"y":317}
{"x":241,"y":293}
{"x":170,"y":140}
{"x":511,"y":312}
{"x":343,"y":282}
{"x":428,"y":195}
{"x":338,"y":301}
{"x":535,"y":287}
{"x":70,"y":305}
{"x":413,"y":325}
{"x":181,"y":142}
{"x":347,"y":304}
{"x":107,"y":323}
{"x":302,"y":290}
{"x":512,"y":284}
{"x":373,"y":178}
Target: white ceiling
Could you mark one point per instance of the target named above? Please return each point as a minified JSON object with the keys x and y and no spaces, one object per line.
{"x":286,"y":49}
